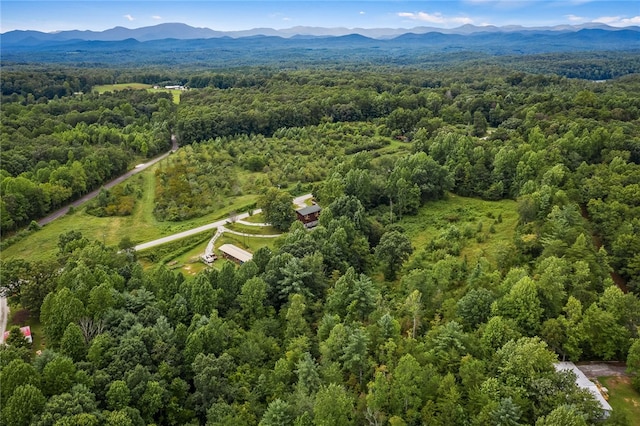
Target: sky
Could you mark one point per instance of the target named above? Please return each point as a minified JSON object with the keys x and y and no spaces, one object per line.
{"x":230,"y":15}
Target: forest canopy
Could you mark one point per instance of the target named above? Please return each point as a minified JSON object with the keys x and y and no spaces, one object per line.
{"x":357,"y":321}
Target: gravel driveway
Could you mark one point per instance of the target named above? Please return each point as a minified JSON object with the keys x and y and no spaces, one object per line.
{"x":603,"y":369}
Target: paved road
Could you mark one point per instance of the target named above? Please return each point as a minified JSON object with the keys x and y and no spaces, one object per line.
{"x":4,"y":313}
{"x":298,"y":201}
{"x":64,"y":210}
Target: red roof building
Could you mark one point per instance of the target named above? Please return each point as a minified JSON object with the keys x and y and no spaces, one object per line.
{"x":26,"y":332}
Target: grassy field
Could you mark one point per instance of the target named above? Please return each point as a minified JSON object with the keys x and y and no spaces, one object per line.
{"x":254,"y":230}
{"x":122,"y":86}
{"x":256,"y":218}
{"x":463,"y":212}
{"x":175,"y":93}
{"x":622,"y":397}
{"x":141,"y":226}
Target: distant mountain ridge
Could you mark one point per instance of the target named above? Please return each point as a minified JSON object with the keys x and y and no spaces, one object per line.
{"x":181,"y":31}
{"x":179,"y":44}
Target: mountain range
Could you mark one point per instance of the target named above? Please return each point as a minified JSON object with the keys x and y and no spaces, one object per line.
{"x":180,"y":31}
{"x":179,"y":44}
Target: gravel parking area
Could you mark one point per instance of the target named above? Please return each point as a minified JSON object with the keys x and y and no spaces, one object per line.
{"x":603,"y":369}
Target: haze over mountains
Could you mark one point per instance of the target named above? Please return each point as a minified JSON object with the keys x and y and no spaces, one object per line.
{"x":185,"y":32}
{"x":173,"y":44}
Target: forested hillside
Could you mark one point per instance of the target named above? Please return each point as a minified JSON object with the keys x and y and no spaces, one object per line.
{"x":362,"y":320}
{"x":55,"y":150}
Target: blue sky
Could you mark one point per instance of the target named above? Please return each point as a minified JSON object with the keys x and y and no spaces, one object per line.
{"x":98,"y":15}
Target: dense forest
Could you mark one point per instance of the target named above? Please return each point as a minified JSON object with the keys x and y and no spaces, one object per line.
{"x":349,"y":323}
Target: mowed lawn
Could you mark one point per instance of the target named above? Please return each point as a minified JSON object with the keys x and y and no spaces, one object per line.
{"x":622,"y":397}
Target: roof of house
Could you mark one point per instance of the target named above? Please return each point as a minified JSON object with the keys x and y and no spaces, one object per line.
{"x":314,"y":208}
{"x":584,"y":382}
{"x":236,"y":252}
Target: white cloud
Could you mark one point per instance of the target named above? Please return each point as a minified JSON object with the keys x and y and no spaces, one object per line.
{"x":574,"y":18}
{"x":500,"y":4}
{"x":618,"y":21}
{"x":362,"y":12}
{"x":129,"y":17}
{"x":286,"y":19}
{"x":156,"y":17}
{"x":436,"y":18}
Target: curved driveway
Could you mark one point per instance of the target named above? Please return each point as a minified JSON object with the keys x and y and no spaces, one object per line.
{"x":298,"y":201}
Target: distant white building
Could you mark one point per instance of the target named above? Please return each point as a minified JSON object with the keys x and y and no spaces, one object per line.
{"x":584,"y":382}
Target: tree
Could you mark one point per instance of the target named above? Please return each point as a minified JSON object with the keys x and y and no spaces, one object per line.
{"x":522,"y":305}
{"x":278,"y":414}
{"x":72,"y":343}
{"x":394,"y":248}
{"x":475,"y":307}
{"x":479,"y":123}
{"x":506,"y":413}
{"x":152,"y":400}
{"x":333,"y":406}
{"x":605,"y":337}
{"x":26,"y":402}
{"x":58,"y":310}
{"x":449,"y":402}
{"x":296,"y":323}
{"x":252,"y":299}
{"x":413,"y":305}
{"x":58,"y":376}
{"x":73,"y":407}
{"x":15,"y":374}
{"x":352,"y":295}
{"x":277,"y":208}
{"x":519,"y":362}
{"x":354,"y":359}
{"x":16,"y":338}
{"x":633,"y":363}
{"x":563,"y":415}
{"x":407,"y":388}
{"x":308,"y":378}
{"x":118,"y":395}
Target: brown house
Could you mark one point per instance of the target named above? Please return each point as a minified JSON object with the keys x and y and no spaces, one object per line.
{"x":309,"y":215}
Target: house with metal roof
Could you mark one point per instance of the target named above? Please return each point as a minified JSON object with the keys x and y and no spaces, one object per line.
{"x":235,"y":254}
{"x":309,"y":215}
{"x":583,"y":381}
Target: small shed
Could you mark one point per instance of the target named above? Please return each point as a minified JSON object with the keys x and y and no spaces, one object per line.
{"x":26,"y":332}
{"x":309,"y":215}
{"x":234,"y":253}
{"x":583,"y":381}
